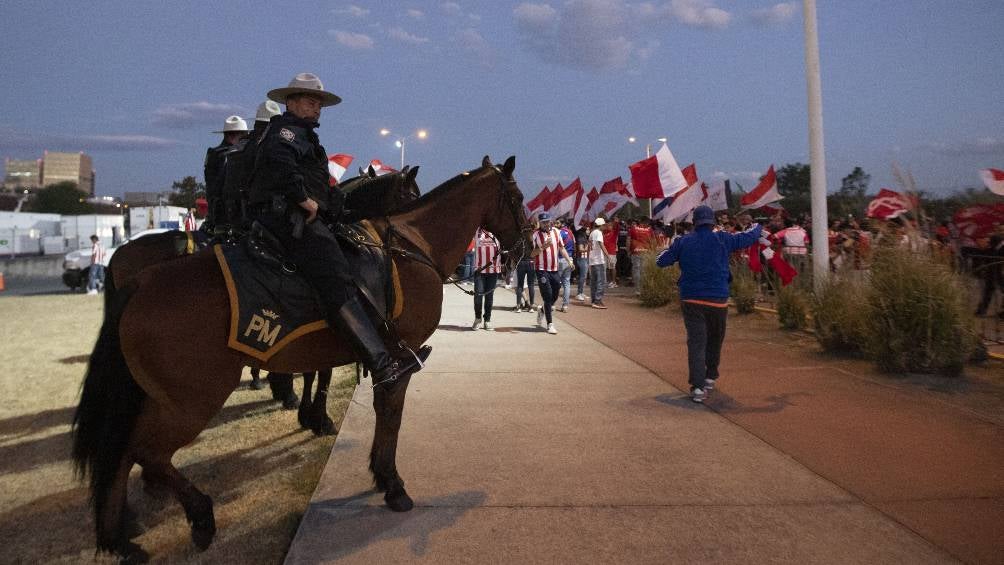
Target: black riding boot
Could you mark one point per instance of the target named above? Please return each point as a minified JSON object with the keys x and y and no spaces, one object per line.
{"x":384,"y":367}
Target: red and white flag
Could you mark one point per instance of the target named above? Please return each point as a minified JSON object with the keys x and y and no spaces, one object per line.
{"x":613,"y":196}
{"x":718,"y":196}
{"x":568,"y":201}
{"x":380,"y":168}
{"x":537,"y":202}
{"x":975,"y":222}
{"x":994,"y":179}
{"x":888,"y":204}
{"x":585,"y":211}
{"x":337,"y":164}
{"x":764,"y":193}
{"x":657,"y":176}
{"x":552,"y":198}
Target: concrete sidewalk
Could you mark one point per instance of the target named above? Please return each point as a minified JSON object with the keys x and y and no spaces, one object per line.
{"x":522,"y":447}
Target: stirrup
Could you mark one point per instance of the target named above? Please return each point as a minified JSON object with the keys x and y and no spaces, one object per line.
{"x":406,"y":366}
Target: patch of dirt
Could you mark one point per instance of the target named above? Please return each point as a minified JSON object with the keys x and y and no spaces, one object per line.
{"x":254,"y":460}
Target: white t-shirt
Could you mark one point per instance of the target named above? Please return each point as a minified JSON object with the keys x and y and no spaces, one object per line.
{"x":596,"y":248}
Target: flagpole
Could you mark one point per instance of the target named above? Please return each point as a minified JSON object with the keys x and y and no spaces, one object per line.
{"x":648,"y":154}
{"x":817,"y":155}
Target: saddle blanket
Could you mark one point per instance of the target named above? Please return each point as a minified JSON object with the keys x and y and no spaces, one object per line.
{"x":271,"y":306}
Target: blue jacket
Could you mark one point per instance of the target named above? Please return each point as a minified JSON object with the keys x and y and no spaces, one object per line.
{"x":704,"y":260}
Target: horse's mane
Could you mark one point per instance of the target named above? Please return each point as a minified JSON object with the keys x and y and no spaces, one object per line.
{"x":439,"y":191}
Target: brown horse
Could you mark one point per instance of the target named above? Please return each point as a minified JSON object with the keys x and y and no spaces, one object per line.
{"x":150,"y":389}
{"x":367,"y":196}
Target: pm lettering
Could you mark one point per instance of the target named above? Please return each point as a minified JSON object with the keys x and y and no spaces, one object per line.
{"x":266,"y":334}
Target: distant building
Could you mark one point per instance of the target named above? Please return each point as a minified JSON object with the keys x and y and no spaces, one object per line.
{"x":144,"y":198}
{"x":22,"y":173}
{"x":73,"y":167}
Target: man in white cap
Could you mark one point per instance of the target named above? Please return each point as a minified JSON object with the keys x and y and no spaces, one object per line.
{"x":289,"y":189}
{"x":234,"y":130}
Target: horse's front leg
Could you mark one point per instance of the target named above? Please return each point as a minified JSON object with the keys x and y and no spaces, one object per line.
{"x":303,"y":414}
{"x":388,"y":402}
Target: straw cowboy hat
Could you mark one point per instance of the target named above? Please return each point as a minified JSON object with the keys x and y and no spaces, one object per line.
{"x":266,"y":110}
{"x":232,"y":124}
{"x":304,"y":83}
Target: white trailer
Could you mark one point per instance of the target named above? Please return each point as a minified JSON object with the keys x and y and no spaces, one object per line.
{"x":152,"y":217}
{"x":77,"y":230}
{"x":24,"y":233}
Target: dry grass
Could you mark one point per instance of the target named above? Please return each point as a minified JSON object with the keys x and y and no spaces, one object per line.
{"x":255,"y":462}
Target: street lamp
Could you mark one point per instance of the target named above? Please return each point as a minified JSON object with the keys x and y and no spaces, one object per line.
{"x":399,"y":142}
{"x":648,"y":153}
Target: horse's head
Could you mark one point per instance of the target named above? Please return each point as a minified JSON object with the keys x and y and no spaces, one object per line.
{"x":508,"y":220}
{"x":370,"y":196}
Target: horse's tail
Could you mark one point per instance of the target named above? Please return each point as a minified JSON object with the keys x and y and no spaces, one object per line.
{"x":110,"y":401}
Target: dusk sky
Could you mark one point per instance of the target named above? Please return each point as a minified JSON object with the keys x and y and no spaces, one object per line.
{"x":140,"y":85}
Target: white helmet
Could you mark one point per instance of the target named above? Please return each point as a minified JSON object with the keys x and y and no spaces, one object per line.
{"x":232,"y":124}
{"x":266,"y":110}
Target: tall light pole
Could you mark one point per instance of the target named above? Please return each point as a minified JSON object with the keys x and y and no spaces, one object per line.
{"x":399,"y":142}
{"x":648,"y":153}
{"x":817,"y":155}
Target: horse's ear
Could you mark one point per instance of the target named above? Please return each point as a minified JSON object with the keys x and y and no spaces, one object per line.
{"x":362,"y":172}
{"x":371,"y":172}
{"x":413,"y":173}
{"x":509,"y":166}
{"x":405,"y":169}
{"x":486,"y":162}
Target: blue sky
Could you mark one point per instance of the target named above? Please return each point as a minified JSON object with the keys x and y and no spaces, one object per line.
{"x":561,"y":84}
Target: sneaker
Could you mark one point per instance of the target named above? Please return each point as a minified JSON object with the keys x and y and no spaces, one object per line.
{"x":551,"y":329}
{"x":612,"y":284}
{"x":709,"y":384}
{"x":488,"y":326}
{"x":92,"y":292}
{"x":581,"y":297}
{"x":697,"y":394}
{"x":508,"y":286}
{"x":540,"y":318}
{"x":599,"y":305}
{"x":476,"y":323}
{"x":564,"y":308}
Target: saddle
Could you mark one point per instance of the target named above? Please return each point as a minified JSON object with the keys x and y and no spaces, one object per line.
{"x":271,"y":305}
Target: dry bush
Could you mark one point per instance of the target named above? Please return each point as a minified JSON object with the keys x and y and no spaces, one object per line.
{"x":840,"y":314}
{"x":792,"y":307}
{"x":743,"y":288}
{"x":658,"y":285}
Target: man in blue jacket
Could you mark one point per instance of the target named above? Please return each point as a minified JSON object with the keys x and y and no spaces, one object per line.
{"x":703,"y":256}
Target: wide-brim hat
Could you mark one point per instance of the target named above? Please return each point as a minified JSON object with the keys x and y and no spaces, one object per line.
{"x":304,"y":83}
{"x":234,"y":124}
{"x":266,"y":110}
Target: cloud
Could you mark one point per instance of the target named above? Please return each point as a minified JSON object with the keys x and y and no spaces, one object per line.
{"x":401,"y":35}
{"x":189,"y":114}
{"x":473,"y":42}
{"x":980,"y":146}
{"x":351,"y":10}
{"x":585,"y":34}
{"x":417,"y":14}
{"x":699,"y":13}
{"x":775,"y":15}
{"x":352,"y":40}
{"x":10,"y":139}
{"x":451,"y":8}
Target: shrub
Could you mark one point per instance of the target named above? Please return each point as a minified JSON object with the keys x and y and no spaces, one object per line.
{"x":658,"y":285}
{"x":743,"y":288}
{"x":919,"y":318}
{"x":792,"y":307}
{"x":840,"y":314}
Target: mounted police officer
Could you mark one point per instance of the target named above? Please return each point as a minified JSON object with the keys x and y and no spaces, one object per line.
{"x":234,"y":130}
{"x":289,"y":190}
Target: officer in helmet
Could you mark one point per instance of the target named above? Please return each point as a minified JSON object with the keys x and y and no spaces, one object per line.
{"x":289,"y":190}
{"x":234,"y":130}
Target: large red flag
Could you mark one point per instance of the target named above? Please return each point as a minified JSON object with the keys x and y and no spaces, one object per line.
{"x":539,"y":200}
{"x":585,"y":209}
{"x":994,"y":179}
{"x":568,"y":201}
{"x":553,"y":197}
{"x":690,"y":173}
{"x":888,"y":204}
{"x":657,"y":176}
{"x":975,"y":222}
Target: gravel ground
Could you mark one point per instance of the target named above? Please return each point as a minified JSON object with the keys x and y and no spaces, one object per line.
{"x":255,"y":462}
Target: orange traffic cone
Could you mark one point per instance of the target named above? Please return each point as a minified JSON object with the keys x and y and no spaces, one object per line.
{"x":2,"y":287}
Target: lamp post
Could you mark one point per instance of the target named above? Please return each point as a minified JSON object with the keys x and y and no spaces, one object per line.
{"x":817,"y":154}
{"x":400,"y":141}
{"x":648,"y":153}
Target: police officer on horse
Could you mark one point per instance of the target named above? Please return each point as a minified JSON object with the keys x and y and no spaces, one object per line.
{"x":235,"y":129}
{"x":289,"y":193}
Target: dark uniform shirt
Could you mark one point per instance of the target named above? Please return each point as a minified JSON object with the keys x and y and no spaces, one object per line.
{"x":292,"y":164}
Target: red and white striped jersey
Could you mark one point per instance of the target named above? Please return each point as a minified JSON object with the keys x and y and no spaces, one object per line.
{"x":548,"y":242}
{"x":486,"y":252}
{"x":189,"y":222}
{"x":97,"y":254}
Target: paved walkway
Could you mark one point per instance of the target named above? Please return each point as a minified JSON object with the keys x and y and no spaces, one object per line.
{"x":521,"y":447}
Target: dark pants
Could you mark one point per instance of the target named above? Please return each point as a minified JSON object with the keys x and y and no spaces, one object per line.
{"x":705,"y":334}
{"x":525,"y":269}
{"x":484,"y":290}
{"x":992,"y":280}
{"x":550,"y":289}
{"x":317,"y":257}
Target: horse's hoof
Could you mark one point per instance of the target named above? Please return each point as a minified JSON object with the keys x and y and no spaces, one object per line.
{"x":132,"y":554}
{"x":291,"y":402}
{"x":399,"y":501}
{"x":203,"y":531}
{"x":326,"y":428}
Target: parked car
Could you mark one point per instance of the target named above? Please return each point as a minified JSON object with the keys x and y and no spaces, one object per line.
{"x":77,"y":264}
